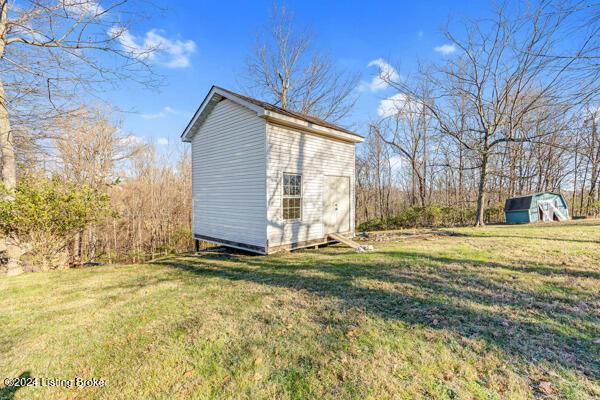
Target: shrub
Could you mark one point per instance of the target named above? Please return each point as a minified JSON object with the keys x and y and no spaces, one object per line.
{"x":432,"y":215}
{"x":180,"y":240}
{"x":372,"y":225}
{"x":44,"y":214}
{"x":494,"y":214}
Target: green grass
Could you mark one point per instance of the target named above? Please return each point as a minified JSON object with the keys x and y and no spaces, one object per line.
{"x":494,"y":313}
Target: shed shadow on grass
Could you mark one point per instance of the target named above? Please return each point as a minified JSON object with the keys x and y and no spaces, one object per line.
{"x":529,"y":267}
{"x":8,"y":392}
{"x":536,"y":328}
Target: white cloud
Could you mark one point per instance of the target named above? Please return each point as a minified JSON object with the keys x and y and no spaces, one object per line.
{"x":398,"y":104}
{"x":420,"y":34}
{"x":385,"y":73}
{"x":162,"y":113}
{"x":155,"y":47}
{"x":162,"y":141}
{"x":157,"y":115}
{"x":132,"y":140}
{"x":445,"y":49}
{"x":86,"y":8}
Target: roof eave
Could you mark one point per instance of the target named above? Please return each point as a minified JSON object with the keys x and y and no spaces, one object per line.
{"x":276,"y":117}
{"x":311,"y":127}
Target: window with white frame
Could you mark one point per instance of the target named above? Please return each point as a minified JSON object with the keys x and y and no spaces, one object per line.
{"x":292,"y":196}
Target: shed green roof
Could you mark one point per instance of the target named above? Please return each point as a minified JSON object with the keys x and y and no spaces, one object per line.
{"x":520,"y":203}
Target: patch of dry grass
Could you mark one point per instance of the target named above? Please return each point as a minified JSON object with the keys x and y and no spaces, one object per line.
{"x":500,"y":312}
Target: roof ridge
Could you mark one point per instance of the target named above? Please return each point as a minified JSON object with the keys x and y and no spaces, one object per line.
{"x":294,"y":114}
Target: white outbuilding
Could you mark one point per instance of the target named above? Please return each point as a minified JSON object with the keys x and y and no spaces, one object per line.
{"x":265,"y":178}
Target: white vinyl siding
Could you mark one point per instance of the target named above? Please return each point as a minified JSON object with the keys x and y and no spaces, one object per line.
{"x":228,"y":175}
{"x":293,"y":151}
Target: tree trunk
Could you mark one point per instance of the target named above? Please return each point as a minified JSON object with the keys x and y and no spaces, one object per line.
{"x":7,"y":150}
{"x":77,"y":248}
{"x":479,"y":220}
{"x":595,"y":165}
{"x":461,"y":173}
{"x":413,"y":188}
{"x":422,"y":191}
{"x":593,"y":190}
{"x":9,"y":165}
{"x":9,"y":179}
{"x":423,"y":182}
{"x":93,"y":241}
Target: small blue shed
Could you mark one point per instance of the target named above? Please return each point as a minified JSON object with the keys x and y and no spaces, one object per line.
{"x":537,"y":207}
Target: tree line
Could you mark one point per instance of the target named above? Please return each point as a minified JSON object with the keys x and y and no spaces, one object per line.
{"x":101,"y":196}
{"x":513,"y":110}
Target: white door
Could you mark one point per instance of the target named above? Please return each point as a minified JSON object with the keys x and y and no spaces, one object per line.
{"x":336,"y":204}
{"x":546,"y":212}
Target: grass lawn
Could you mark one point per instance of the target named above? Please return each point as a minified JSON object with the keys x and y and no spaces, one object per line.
{"x":494,"y":313}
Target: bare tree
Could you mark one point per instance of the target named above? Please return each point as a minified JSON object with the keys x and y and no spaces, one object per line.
{"x":287,"y":69}
{"x":591,"y":154}
{"x":51,"y":51}
{"x":502,"y":73}
{"x":378,"y":159}
{"x":153,"y":208}
{"x":406,"y":131}
{"x":90,"y":147}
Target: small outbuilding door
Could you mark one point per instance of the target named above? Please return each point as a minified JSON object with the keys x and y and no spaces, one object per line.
{"x":336,"y":204}
{"x":545,"y":211}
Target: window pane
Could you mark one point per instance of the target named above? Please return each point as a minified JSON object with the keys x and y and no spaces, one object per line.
{"x":292,"y":185}
{"x":294,"y":213}
{"x":292,"y":200}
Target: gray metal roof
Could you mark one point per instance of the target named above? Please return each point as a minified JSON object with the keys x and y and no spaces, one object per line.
{"x":217,"y":93}
{"x":294,"y":114}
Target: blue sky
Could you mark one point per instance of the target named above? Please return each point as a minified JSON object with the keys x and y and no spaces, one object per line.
{"x":207,"y":43}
